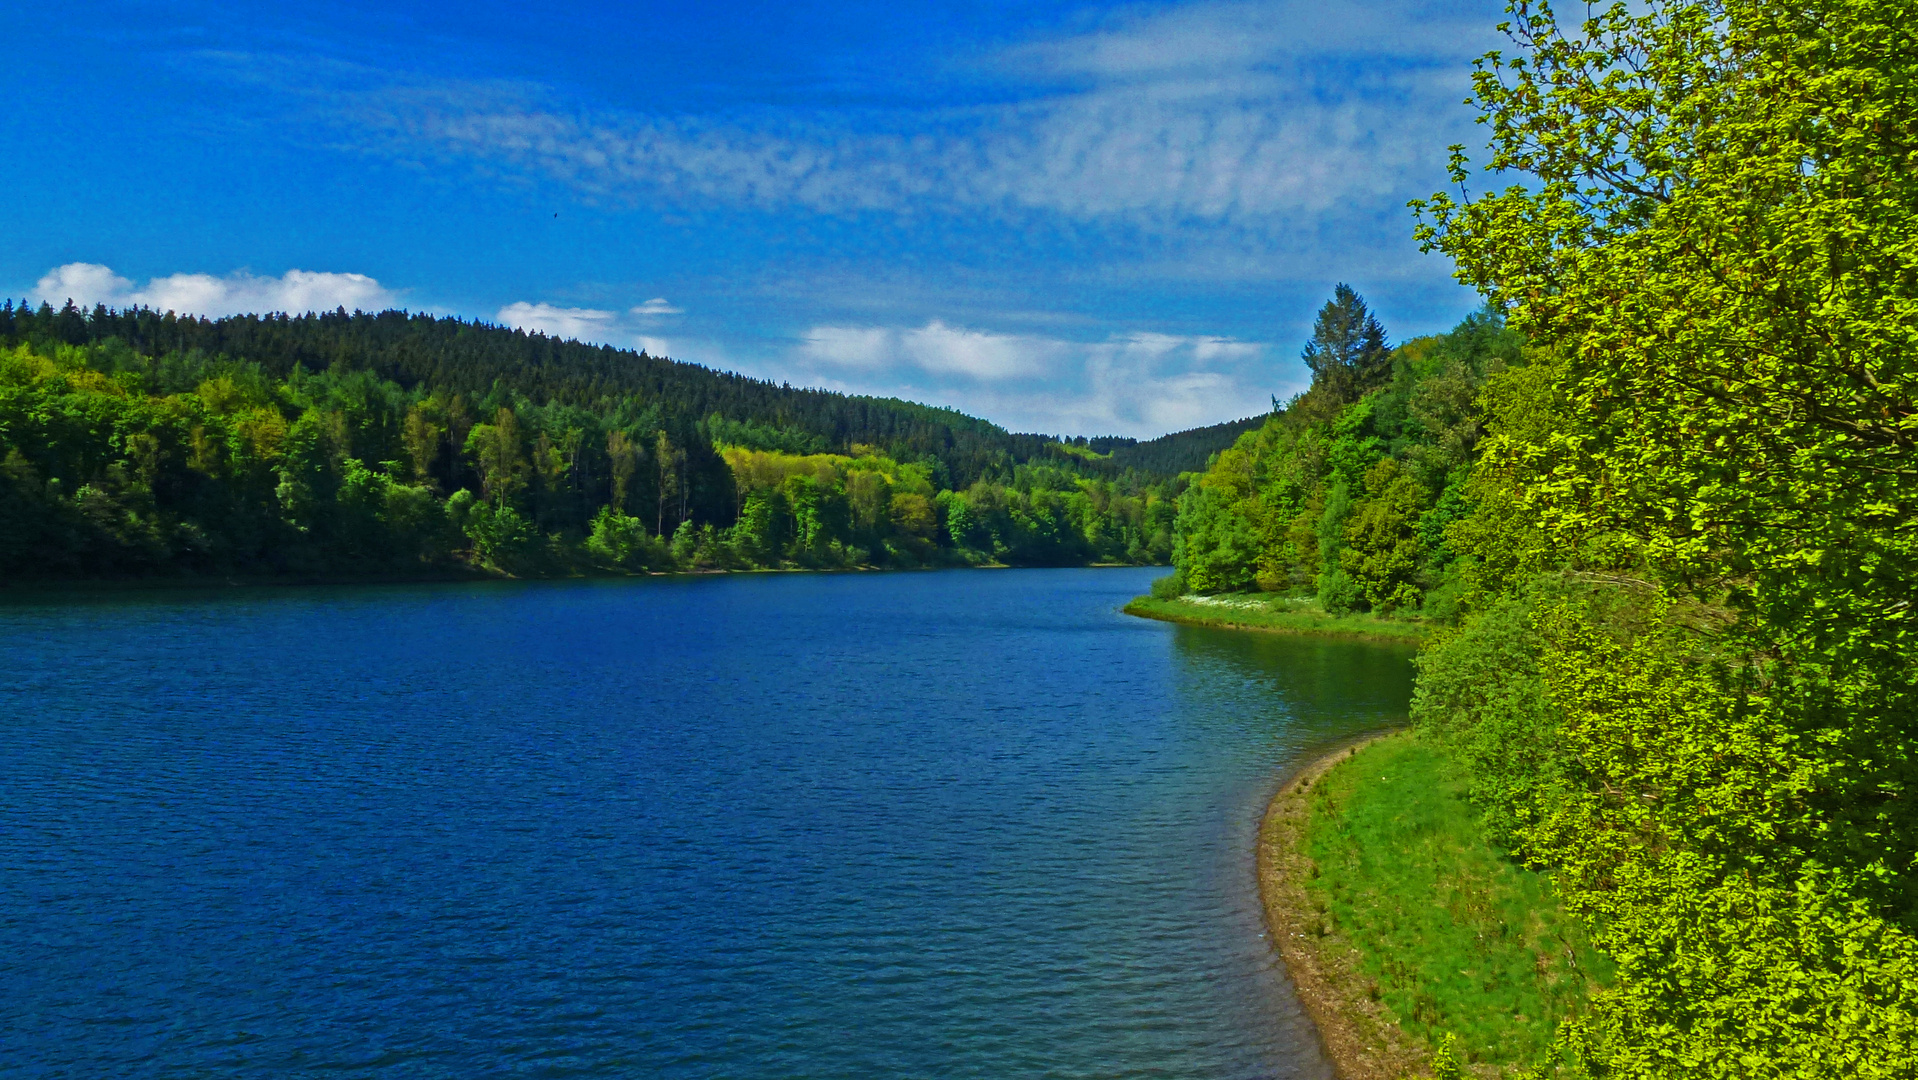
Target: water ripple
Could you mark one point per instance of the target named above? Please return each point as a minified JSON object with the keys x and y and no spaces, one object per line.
{"x":956,"y":825}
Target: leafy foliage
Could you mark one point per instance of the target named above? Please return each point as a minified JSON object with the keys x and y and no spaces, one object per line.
{"x":1351,"y":499}
{"x":1688,"y":682}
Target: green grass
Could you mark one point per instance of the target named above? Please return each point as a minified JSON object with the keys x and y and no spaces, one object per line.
{"x":1452,"y":936}
{"x":1263,"y":611}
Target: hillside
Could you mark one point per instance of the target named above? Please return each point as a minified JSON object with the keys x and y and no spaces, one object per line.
{"x":134,"y":443}
{"x":473,"y":358}
{"x":1180,"y":452}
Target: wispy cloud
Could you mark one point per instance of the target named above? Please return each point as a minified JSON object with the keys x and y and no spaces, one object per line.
{"x":1210,"y":38}
{"x":1254,"y":150}
{"x":1245,"y":115}
{"x":296,"y":291}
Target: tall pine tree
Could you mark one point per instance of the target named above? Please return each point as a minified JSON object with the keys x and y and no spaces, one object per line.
{"x":1347,"y":354}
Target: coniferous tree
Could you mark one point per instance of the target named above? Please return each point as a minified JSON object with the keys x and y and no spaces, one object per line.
{"x":1348,"y":354}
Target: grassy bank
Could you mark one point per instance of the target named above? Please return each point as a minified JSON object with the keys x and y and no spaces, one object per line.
{"x":1259,"y":611}
{"x":1420,"y":923}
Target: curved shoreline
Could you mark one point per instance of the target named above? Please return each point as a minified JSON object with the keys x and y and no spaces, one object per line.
{"x":1358,"y":1038}
{"x":1387,"y":634}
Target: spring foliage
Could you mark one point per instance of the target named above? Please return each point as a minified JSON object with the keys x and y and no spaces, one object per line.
{"x":1677,"y":531}
{"x":1704,"y":720}
{"x":1347,"y":491}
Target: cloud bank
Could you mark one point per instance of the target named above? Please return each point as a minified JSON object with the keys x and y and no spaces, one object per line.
{"x":295,"y":292}
{"x":1139,"y":384}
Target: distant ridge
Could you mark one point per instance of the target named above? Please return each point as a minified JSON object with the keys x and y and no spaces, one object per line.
{"x":1181,"y":451}
{"x":477,"y":358}
{"x":379,"y":444}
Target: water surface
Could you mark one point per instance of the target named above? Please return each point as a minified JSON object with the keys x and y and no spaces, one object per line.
{"x":962,"y":824}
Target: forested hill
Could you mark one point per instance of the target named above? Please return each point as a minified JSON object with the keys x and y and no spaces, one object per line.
{"x":1179,"y":452}
{"x":473,"y":359}
{"x":135,"y":443}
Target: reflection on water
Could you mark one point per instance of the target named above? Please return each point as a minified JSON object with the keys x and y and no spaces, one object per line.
{"x":953,"y":824}
{"x":1311,"y":690}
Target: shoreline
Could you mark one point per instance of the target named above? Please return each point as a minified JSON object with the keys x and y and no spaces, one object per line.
{"x":39,"y":587}
{"x":1360,"y":1041}
{"x":1310,"y":624}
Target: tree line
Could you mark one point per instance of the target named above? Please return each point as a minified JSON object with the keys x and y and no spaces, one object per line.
{"x":1180,"y":452}
{"x":117,"y":460}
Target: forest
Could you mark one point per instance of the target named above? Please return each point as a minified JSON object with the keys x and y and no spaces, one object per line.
{"x":135,"y":443}
{"x":1180,"y":452}
{"x":1660,"y":499}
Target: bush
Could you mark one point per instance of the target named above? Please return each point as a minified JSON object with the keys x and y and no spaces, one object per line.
{"x":1481,"y":696}
{"x":621,"y":541}
{"x":501,"y":536}
{"x":1340,"y":593}
{"x":1169,"y":587}
{"x":1444,"y":602}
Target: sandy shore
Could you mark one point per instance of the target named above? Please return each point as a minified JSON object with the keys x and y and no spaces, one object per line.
{"x":1362,"y":1042}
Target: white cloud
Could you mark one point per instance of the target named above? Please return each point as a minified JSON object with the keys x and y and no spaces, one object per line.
{"x":848,"y":347}
{"x":594,"y":325}
{"x":976,"y":354}
{"x":295,"y":292}
{"x":579,"y":324}
{"x":657,"y":306}
{"x":1150,"y":384}
{"x":86,"y":284}
{"x":1140,"y":384}
{"x":936,"y":349}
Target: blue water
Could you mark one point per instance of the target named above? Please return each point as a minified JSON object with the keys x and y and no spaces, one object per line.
{"x":958,"y":824}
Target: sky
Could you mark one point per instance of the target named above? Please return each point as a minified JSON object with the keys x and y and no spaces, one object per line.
{"x":1066,"y":218}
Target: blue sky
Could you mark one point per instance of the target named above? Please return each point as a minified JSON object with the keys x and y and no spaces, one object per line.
{"x":1065,"y":218}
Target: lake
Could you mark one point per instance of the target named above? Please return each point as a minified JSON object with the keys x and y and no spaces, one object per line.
{"x":953,"y":824}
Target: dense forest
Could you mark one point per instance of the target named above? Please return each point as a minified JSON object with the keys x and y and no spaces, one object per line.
{"x":1350,"y":490}
{"x":1662,"y":498}
{"x":1169,"y":455}
{"x":135,"y":442}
